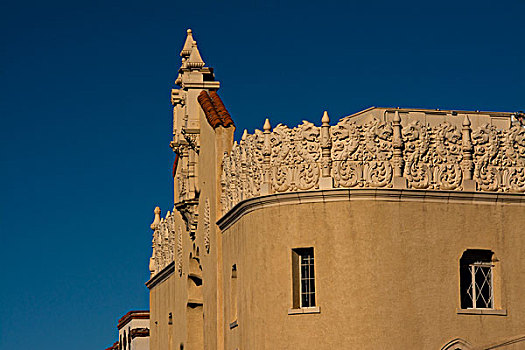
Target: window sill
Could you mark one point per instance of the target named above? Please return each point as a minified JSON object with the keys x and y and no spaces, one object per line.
{"x":497,"y":312}
{"x":234,"y":324}
{"x":305,"y":310}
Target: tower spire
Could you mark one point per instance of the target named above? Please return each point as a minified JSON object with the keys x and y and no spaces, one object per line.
{"x":195,"y":60}
{"x":186,"y":49}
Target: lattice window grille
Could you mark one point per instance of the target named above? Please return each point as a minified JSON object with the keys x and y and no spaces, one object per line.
{"x":481,"y":288}
{"x":307,"y":280}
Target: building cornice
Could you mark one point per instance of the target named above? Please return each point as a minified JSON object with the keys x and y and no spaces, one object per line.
{"x":390,"y":195}
{"x":161,"y":276}
{"x":133,"y":315}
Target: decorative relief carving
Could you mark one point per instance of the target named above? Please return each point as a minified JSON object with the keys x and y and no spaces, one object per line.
{"x":446,"y":157}
{"x":347,"y":163}
{"x":485,"y":141}
{"x":514,"y":159}
{"x":440,"y":157}
{"x":206,"y":225}
{"x":163,"y":242}
{"x":295,"y":157}
{"x":377,"y":153}
{"x":179,"y":252}
{"x":416,"y":155}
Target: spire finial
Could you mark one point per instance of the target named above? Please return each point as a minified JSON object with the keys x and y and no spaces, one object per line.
{"x":156,"y":221}
{"x":466,"y":120}
{"x":195,"y":60}
{"x":186,"y":49}
{"x":325,"y":119}
{"x":267,"y":125}
{"x":397,"y":118}
{"x":244,"y":135}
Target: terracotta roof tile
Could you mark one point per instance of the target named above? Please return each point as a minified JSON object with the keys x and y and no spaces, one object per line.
{"x":214,"y":109}
{"x":221,"y":109}
{"x":209,"y":110}
{"x":114,"y":346}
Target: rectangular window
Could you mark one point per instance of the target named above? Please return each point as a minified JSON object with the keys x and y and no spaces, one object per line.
{"x":477,"y":280}
{"x":480,"y":290}
{"x":303,"y":278}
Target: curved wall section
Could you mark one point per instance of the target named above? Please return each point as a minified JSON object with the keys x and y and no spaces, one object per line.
{"x":386,"y":268}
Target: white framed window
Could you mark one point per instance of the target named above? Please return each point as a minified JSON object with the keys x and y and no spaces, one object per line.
{"x":303,"y":278}
{"x":477,"y":279}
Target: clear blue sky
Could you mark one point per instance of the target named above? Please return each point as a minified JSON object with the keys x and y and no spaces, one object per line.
{"x":86,"y":121}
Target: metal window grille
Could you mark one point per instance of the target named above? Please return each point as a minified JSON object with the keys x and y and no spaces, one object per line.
{"x":480,"y":290}
{"x":307,"y":279}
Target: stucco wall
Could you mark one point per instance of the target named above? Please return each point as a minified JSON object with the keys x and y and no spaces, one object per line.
{"x":201,"y":256}
{"x":387,"y":274}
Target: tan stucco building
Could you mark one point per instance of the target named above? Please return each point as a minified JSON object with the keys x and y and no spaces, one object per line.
{"x":387,"y":229}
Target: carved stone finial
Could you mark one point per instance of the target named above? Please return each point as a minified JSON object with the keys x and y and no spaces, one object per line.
{"x":397,"y":117}
{"x":267,"y":126}
{"x":467,"y":163}
{"x":326,"y":145}
{"x":466,"y":120}
{"x":186,"y":49}
{"x":397,"y":144}
{"x":267,"y":152}
{"x":325,"y":119}
{"x":195,"y":60}
{"x":156,"y":221}
{"x":244,"y":135}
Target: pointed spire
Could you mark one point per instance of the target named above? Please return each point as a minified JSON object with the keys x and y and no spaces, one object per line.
{"x":244,"y":135}
{"x":325,"y":119}
{"x":186,"y":49}
{"x":267,"y":125}
{"x":466,"y":120}
{"x":156,"y":221}
{"x":195,"y":60}
{"x":397,"y":118}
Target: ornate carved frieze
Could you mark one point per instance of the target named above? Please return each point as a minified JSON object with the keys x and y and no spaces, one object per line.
{"x":206,"y":225}
{"x":179,"y":251}
{"x":373,"y":153}
{"x":417,"y":171}
{"x":163,"y":242}
{"x":295,"y":157}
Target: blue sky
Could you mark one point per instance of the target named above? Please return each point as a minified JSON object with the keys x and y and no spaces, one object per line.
{"x":85,"y":121}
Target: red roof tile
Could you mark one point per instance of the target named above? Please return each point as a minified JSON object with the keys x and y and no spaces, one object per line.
{"x":214,"y":109}
{"x":114,"y":346}
{"x":221,"y":109}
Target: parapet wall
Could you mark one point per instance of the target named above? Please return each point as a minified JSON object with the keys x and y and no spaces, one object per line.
{"x":417,"y":151}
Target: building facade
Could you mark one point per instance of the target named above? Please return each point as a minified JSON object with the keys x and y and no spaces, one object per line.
{"x":133,"y":331}
{"x":387,"y":229}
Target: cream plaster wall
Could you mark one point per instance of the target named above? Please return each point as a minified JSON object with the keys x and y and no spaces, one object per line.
{"x":387,"y":274}
{"x":178,"y":294}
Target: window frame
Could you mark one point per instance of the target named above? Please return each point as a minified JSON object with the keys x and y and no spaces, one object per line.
{"x":298,"y":288}
{"x":473,"y":263}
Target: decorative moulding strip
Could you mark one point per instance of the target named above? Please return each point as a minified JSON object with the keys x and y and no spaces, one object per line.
{"x":161,"y":276}
{"x":390,"y":195}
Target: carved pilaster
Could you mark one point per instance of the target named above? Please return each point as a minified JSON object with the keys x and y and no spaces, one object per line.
{"x":326,"y":158}
{"x":267,"y":152}
{"x":467,"y":165}
{"x":244,"y":166}
{"x":397,"y":155}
